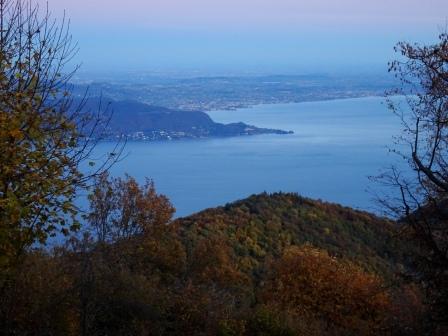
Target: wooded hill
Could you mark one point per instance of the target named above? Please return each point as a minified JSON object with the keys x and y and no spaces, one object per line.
{"x":275,"y":264}
{"x":264,"y":225}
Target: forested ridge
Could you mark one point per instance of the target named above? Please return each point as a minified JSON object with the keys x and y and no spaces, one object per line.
{"x":264,"y":225}
{"x":273,"y":264}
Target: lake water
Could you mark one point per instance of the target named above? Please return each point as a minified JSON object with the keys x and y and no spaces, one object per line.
{"x":337,"y":144}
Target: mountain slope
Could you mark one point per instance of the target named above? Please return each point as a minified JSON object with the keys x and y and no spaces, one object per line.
{"x":247,"y":268}
{"x":264,"y":225}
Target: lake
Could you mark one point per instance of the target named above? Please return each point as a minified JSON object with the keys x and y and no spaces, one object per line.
{"x":336,"y":145}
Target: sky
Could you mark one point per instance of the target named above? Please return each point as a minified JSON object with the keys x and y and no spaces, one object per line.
{"x":278,"y":36}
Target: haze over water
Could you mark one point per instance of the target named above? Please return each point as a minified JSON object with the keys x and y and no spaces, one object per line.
{"x":226,"y":36}
{"x":336,"y":146}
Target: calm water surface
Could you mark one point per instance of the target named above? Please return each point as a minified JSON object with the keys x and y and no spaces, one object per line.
{"x":336,"y":146}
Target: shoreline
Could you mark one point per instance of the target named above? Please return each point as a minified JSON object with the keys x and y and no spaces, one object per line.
{"x":299,"y":102}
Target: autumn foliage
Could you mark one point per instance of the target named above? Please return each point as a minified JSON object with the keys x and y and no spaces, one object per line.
{"x":45,"y":137}
{"x":235,"y":270}
{"x":311,"y":284}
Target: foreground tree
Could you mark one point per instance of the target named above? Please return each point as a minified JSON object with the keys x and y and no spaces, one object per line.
{"x":314,"y":286}
{"x":45,"y":136}
{"x":422,"y":202}
{"x":121,"y":208}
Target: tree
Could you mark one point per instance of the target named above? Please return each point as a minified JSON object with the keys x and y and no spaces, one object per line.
{"x":422,"y":201}
{"x":45,"y":136}
{"x":312,"y":285}
{"x":121,"y":208}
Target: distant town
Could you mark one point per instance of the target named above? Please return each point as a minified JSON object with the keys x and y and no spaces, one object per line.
{"x":235,"y":92}
{"x":177,"y":135}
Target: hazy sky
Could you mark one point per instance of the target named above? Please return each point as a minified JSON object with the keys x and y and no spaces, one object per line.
{"x":270,"y":35}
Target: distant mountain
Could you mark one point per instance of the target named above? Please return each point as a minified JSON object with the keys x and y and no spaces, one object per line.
{"x":140,"y":121}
